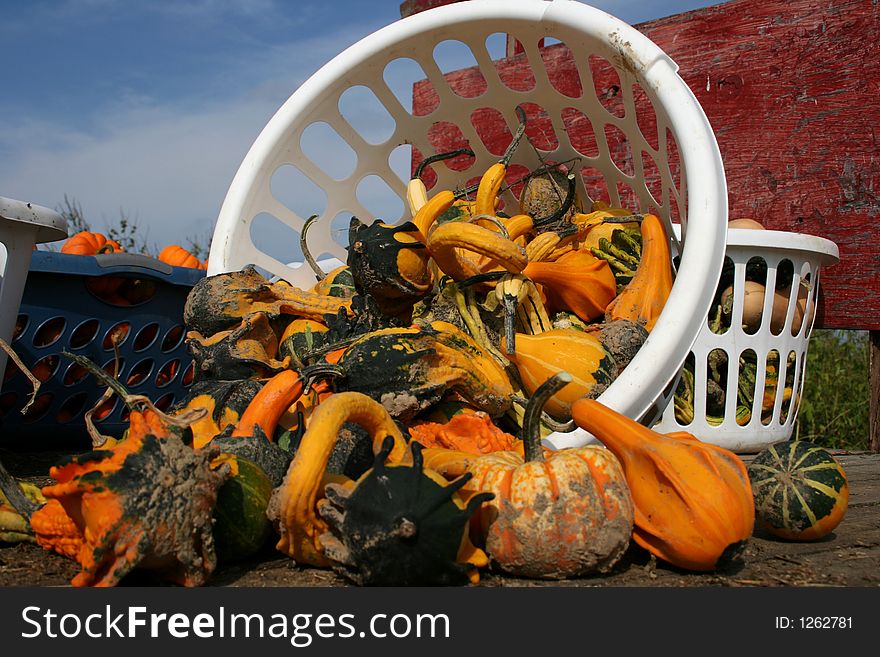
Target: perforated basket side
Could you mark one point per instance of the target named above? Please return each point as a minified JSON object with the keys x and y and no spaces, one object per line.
{"x":768,"y":363}
{"x":58,"y":313}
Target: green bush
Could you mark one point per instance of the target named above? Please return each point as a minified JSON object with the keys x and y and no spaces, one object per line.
{"x":834,"y":408}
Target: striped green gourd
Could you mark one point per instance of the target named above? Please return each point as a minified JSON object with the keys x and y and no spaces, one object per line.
{"x":800,"y":490}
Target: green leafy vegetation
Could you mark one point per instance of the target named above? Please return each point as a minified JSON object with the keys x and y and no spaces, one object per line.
{"x":834,"y":409}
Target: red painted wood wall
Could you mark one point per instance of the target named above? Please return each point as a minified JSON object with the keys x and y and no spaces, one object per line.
{"x":792,"y":91}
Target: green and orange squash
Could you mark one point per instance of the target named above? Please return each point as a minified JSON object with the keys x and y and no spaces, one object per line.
{"x":800,"y":489}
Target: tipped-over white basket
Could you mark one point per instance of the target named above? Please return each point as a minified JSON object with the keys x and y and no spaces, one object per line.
{"x":675,"y":170}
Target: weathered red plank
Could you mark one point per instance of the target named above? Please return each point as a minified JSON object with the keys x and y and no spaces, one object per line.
{"x":790,"y":88}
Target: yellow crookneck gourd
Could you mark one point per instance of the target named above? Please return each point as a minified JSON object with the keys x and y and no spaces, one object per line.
{"x":376,"y":527}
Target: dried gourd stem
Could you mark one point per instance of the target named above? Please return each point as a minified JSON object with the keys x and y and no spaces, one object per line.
{"x":546,"y":420}
{"x":493,"y":220}
{"x":517,"y":136}
{"x":485,"y":277}
{"x":99,"y":373}
{"x":326,"y":349}
{"x":532,"y":419}
{"x":625,"y":219}
{"x":448,"y":155}
{"x":304,"y":247}
{"x":318,"y":371}
{"x":35,"y":382}
{"x":508,"y":291}
{"x":14,"y":495}
{"x":181,"y":420}
{"x":134,"y":402}
{"x":98,"y":439}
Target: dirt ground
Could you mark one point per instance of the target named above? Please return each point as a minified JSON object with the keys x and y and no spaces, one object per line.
{"x":850,"y":556}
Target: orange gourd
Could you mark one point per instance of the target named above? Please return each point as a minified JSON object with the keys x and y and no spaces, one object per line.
{"x":89,"y":243}
{"x":268,"y":405}
{"x":538,"y":357}
{"x":177,"y":256}
{"x":147,"y":501}
{"x":54,"y":530}
{"x":642,"y":300}
{"x":577,"y":281}
{"x":566,"y":513}
{"x":474,"y":433}
{"x":693,"y":500}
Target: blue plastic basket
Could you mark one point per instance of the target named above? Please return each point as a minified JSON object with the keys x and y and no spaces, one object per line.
{"x":68,"y":306}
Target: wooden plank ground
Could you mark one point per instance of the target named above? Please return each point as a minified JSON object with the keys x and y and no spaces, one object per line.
{"x":848,"y":557}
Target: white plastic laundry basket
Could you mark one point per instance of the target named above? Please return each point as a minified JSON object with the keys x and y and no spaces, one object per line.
{"x":772,"y":346}
{"x":675,"y":170}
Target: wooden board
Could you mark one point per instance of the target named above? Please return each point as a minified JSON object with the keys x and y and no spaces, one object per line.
{"x":791,"y":91}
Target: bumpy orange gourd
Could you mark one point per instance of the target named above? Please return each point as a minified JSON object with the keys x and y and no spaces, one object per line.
{"x":177,"y":256}
{"x":693,"y":500}
{"x":578,"y":281}
{"x":89,"y":243}
{"x":146,"y":501}
{"x":55,"y":530}
{"x":643,"y":298}
{"x":562,"y":514}
{"x":538,"y":357}
{"x":474,"y":433}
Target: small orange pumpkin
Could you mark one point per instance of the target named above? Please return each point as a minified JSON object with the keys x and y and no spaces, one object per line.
{"x":176,"y":256}
{"x":89,"y":243}
{"x":568,"y":513}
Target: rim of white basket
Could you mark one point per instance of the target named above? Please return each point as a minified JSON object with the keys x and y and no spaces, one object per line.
{"x":637,"y":389}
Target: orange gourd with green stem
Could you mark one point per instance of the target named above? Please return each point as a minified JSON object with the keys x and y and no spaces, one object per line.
{"x":693,"y":500}
{"x":560,"y":514}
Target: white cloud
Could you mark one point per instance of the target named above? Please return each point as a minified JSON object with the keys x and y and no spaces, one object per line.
{"x":168,"y":166}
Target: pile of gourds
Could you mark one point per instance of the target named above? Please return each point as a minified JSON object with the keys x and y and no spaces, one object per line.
{"x":387,"y":422}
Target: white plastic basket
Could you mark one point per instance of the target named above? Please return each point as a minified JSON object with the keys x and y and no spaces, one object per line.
{"x":688,"y":176}
{"x":783,"y":346}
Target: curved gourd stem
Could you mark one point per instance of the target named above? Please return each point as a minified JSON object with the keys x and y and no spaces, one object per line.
{"x":564,"y":208}
{"x":439,"y":157}
{"x":319,"y":273}
{"x":532,"y":419}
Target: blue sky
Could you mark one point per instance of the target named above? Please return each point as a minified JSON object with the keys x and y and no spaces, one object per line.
{"x":147,"y":108}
